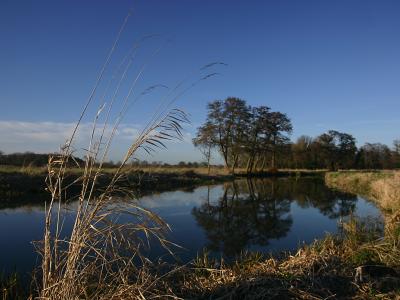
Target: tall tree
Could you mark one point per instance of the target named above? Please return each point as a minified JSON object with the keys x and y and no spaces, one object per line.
{"x":228,"y":121}
{"x":204,"y":141}
{"x":396,"y":146}
{"x":346,"y":149}
{"x":396,"y":153}
{"x":237,"y":118}
{"x":258,"y":135}
{"x":376,"y":156}
{"x":337,"y":149}
{"x":279,"y":127}
{"x":302,"y":152}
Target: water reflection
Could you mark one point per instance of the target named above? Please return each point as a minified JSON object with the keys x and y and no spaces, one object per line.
{"x":252,"y":212}
{"x":262,"y":215}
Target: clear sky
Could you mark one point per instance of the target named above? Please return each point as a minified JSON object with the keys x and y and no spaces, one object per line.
{"x":327,"y":64}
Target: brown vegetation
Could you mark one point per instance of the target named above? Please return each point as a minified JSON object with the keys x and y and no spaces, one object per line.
{"x":324,"y":270}
{"x":383,"y":187}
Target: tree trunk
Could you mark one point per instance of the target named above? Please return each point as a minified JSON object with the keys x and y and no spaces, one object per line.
{"x":225,"y":156}
{"x":254,"y":164}
{"x":273,"y":159}
{"x":235,"y":159}
{"x":208,"y":160}
{"x":263,"y":164}
{"x":248,"y":165}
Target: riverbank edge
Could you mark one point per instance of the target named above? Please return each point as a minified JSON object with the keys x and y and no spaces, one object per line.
{"x":324,"y":269}
{"x":17,"y":187}
{"x":330,"y":268}
{"x":381,"y":187}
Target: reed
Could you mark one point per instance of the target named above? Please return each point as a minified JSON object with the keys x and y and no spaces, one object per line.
{"x":101,"y":256}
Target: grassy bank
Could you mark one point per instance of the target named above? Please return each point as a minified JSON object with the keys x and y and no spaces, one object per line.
{"x":383,"y":187}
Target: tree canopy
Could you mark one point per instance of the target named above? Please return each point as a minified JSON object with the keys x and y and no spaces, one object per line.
{"x":243,"y":134}
{"x":257,"y":139}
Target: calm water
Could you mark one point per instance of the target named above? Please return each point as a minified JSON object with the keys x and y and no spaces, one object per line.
{"x":264,"y":215}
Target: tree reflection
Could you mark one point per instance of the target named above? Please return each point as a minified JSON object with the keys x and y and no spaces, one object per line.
{"x":241,"y":217}
{"x":252,"y":212}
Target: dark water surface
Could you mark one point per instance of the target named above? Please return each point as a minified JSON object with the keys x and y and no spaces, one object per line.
{"x":268,"y":215}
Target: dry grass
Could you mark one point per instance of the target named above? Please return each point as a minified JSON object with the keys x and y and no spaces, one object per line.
{"x":28,"y":170}
{"x":387,"y":192}
{"x":102,"y":256}
{"x":323,"y":270}
{"x":383,"y":187}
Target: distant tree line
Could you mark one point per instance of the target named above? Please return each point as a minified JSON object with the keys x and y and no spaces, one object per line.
{"x":181,"y":164}
{"x":24,"y":159}
{"x":40,"y":160}
{"x":335,"y":150}
{"x":27,"y":159}
{"x":257,"y":139}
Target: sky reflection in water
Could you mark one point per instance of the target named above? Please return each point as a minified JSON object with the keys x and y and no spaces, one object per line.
{"x":262,"y":215}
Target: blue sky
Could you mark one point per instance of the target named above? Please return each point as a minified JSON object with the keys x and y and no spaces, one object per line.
{"x":327,"y":64}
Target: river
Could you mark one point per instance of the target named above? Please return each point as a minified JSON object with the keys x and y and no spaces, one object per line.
{"x":265,"y":215}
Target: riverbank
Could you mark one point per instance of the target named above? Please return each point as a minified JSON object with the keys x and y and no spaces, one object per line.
{"x":324,"y":269}
{"x":363,"y":262}
{"x":27,"y":185}
{"x":337,"y":267}
{"x":17,"y":185}
{"x":382,"y":187}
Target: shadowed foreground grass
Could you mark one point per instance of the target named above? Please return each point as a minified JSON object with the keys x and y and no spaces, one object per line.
{"x":323,"y":270}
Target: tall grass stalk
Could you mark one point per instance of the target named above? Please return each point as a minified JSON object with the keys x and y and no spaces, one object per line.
{"x":101,"y":254}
